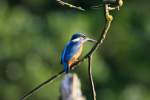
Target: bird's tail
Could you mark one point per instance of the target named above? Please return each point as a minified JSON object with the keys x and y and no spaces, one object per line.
{"x":66,"y":67}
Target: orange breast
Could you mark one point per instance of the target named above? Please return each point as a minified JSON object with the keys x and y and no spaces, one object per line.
{"x":75,"y":57}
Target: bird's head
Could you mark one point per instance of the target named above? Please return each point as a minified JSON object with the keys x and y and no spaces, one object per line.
{"x":81,"y":37}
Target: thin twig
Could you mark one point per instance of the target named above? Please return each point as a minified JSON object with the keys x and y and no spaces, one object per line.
{"x":102,"y":37}
{"x":97,"y":45}
{"x":90,"y":77}
{"x":50,"y":80}
{"x":103,"y":34}
{"x":70,"y":5}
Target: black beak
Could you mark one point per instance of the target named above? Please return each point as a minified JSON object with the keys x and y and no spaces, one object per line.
{"x":90,"y":40}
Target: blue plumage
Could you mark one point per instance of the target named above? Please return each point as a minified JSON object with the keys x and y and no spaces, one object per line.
{"x":73,"y":50}
{"x":69,"y":51}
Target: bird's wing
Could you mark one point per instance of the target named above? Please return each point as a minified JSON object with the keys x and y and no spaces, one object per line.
{"x":64,"y":52}
{"x":69,"y":51}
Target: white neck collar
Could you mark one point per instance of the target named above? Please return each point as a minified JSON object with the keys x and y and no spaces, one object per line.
{"x":76,"y":40}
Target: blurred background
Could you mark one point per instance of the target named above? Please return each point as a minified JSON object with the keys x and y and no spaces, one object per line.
{"x":34,"y":32}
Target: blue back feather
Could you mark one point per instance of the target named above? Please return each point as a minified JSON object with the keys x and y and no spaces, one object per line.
{"x":69,"y":51}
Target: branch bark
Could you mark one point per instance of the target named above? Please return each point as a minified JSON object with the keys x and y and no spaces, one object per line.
{"x":70,"y":5}
{"x":91,"y":77}
{"x":97,"y":45}
{"x":50,"y":80}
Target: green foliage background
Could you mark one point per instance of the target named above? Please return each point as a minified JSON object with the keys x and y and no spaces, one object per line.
{"x":34,"y":32}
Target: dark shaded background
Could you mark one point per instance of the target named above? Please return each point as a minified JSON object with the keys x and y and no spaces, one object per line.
{"x":34,"y":32}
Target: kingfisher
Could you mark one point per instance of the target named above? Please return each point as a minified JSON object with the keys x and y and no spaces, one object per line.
{"x":73,"y":50}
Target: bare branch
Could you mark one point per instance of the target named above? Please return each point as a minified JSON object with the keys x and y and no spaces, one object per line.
{"x":70,"y":5}
{"x":90,"y":77}
{"x":50,"y":80}
{"x":108,"y":20}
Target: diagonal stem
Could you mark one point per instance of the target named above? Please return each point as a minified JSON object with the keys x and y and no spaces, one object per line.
{"x":91,"y":77}
{"x":70,"y":5}
{"x":50,"y":80}
{"x":97,"y":45}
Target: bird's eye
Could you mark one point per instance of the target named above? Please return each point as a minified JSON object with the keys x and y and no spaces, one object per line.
{"x":84,"y":36}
